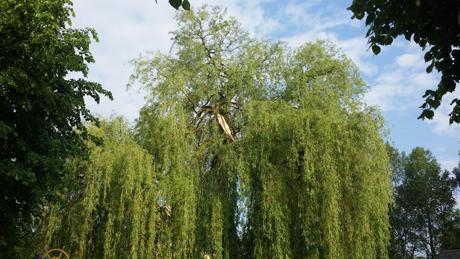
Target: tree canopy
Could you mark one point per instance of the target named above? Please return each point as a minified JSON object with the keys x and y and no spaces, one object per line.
{"x":261,"y":150}
{"x":429,"y":23}
{"x":422,"y":216}
{"x":41,"y":108}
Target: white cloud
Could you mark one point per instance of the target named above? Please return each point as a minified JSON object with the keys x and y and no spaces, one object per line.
{"x":408,"y":60}
{"x":315,"y":15}
{"x":398,"y":90}
{"x":388,"y":88}
{"x":401,"y":84}
{"x":424,"y":80}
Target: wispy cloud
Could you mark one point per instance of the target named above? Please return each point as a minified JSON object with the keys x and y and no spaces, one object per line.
{"x":409,"y":60}
{"x":316,"y":20}
{"x":401,"y":84}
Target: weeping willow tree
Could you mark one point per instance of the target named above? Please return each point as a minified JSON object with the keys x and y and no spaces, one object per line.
{"x":313,"y":165}
{"x":109,"y":208}
{"x":262,"y":151}
{"x":245,"y":149}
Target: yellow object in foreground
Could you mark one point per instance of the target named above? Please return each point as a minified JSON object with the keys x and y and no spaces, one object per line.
{"x":56,"y":254}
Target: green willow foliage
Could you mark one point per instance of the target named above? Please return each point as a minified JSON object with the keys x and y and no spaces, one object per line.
{"x":307,"y":174}
{"x":109,"y":208}
{"x":317,"y":184}
{"x":258,"y":150}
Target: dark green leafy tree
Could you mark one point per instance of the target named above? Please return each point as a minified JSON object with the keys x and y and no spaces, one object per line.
{"x":431,"y":24}
{"x":403,"y":238}
{"x":423,"y":205}
{"x":41,"y":108}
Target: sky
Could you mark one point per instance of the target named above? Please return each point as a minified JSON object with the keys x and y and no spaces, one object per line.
{"x":396,"y":77}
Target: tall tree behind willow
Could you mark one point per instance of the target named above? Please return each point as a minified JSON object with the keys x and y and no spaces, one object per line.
{"x":262,"y":151}
{"x":423,"y":205}
{"x":109,"y":207}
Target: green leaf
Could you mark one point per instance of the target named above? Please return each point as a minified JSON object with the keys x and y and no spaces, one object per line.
{"x":434,"y":103}
{"x":359,"y":15}
{"x":407,"y":35}
{"x":186,"y":5}
{"x":387,"y":40}
{"x":429,"y":92}
{"x":426,"y":114}
{"x":423,"y":43}
{"x":428,"y":56}
{"x":450,"y":85}
{"x":430,"y":68}
{"x":175,"y":3}
{"x":375,"y":49}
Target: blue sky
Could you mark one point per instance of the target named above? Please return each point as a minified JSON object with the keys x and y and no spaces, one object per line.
{"x":396,"y":77}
